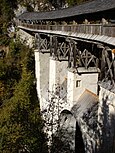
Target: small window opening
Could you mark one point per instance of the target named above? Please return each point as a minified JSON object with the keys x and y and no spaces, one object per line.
{"x":78,"y":83}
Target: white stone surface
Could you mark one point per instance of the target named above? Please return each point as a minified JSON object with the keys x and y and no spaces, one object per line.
{"x":57,"y":74}
{"x":42,"y":77}
{"x":85,"y":80}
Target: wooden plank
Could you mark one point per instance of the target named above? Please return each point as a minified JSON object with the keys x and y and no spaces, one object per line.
{"x":109,"y":63}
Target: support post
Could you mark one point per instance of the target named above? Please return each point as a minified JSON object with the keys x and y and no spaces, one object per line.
{"x":42,"y":77}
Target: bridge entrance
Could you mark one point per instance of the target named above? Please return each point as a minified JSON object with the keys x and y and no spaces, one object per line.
{"x":79,"y":145}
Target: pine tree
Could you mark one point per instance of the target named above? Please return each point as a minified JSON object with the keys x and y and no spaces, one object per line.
{"x":21,"y":126}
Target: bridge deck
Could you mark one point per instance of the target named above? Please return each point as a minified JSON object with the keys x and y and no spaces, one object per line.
{"x":89,"y":37}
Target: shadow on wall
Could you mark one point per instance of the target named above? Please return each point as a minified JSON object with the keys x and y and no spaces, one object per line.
{"x":113,"y":138}
{"x":68,"y":138}
{"x":64,"y":138}
{"x":79,"y":145}
{"x":107,"y":127}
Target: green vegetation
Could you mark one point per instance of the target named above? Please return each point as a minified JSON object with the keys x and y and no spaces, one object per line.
{"x":75,"y":2}
{"x":6,"y":15}
{"x":21,"y":125}
{"x":60,"y":3}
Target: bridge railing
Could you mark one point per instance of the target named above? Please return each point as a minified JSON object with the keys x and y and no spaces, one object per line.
{"x":97,"y":29}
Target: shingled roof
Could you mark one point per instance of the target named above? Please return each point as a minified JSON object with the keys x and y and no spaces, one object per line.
{"x":86,"y":102}
{"x":86,"y":8}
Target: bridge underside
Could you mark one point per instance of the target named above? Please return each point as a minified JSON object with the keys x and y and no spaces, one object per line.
{"x":81,"y":53}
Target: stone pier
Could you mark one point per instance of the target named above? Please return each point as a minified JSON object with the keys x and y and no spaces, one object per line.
{"x":58,"y":79}
{"x":42,"y":77}
{"x":78,"y":81}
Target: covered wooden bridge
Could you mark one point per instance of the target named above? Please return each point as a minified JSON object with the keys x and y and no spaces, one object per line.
{"x":80,"y":41}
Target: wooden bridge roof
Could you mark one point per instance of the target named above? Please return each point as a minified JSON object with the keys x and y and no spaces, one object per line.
{"x":94,"y":6}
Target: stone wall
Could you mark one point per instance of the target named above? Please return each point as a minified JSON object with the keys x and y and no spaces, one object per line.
{"x":26,"y":38}
{"x":106,"y":121}
{"x":78,"y":82}
{"x":58,"y":81}
{"x":42,"y":77}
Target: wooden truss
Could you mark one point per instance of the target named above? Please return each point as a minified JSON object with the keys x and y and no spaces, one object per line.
{"x":68,"y":50}
{"x":88,"y":59}
{"x":42,"y":44}
{"x":108,"y":66}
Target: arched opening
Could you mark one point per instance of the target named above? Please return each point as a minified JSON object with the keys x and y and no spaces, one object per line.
{"x":79,"y":145}
{"x":64,"y":138}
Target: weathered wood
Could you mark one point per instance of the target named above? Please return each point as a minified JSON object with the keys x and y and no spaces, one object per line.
{"x":55,"y":46}
{"x":103,"y":64}
{"x":44,"y":43}
{"x":37,"y":41}
{"x":97,"y":29}
{"x":63,"y":50}
{"x":109,"y":63}
{"x":51,"y":45}
{"x":86,"y":58}
{"x":41,"y":44}
{"x":74,"y":55}
{"x":70,"y":56}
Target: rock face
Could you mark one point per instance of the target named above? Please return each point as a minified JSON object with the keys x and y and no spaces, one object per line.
{"x":106,"y":120}
{"x":85,"y":112}
{"x":58,"y":3}
{"x":26,"y":38}
{"x":21,"y":9}
{"x":95,"y":122}
{"x":41,"y":5}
